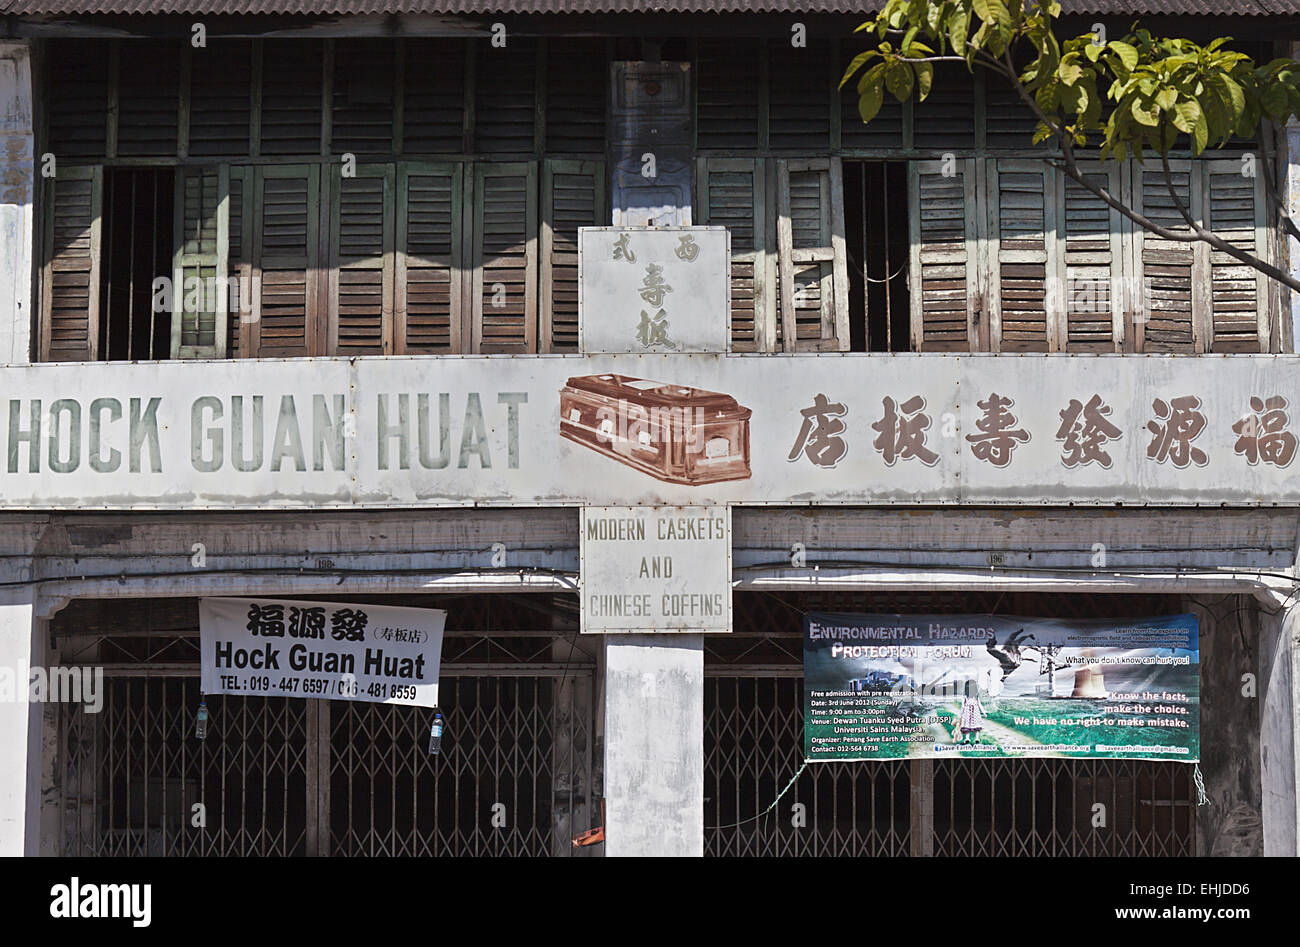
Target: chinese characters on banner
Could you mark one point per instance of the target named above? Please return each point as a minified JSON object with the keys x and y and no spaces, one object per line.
{"x":274,"y":648}
{"x":933,"y":686}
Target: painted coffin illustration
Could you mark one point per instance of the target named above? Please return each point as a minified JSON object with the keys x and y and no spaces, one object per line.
{"x":675,"y":433}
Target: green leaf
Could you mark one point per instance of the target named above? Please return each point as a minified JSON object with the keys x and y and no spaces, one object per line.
{"x":1143,"y":112}
{"x":1186,"y":115}
{"x":898,"y":80}
{"x":869,"y":101}
{"x":1070,"y":71}
{"x":959,"y":29}
{"x":1166,"y":99}
{"x":1126,"y":53}
{"x":855,"y":64}
{"x":924,"y":79}
{"x":1200,"y":134}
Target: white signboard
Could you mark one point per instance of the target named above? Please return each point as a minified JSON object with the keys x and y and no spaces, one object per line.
{"x":273,"y":648}
{"x":658,"y":290}
{"x":652,"y":569}
{"x":677,"y":430}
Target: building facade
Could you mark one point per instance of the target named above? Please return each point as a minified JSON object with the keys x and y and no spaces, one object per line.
{"x":385,"y":192}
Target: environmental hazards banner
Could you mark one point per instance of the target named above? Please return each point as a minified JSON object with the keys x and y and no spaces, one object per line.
{"x":268,"y":647}
{"x":891,"y":686}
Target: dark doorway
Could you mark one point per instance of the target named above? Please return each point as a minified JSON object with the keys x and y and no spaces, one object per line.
{"x":876,"y":235}
{"x":138,"y":235}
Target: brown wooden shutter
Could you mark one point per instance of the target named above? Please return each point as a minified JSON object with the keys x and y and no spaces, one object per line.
{"x":430,"y":314}
{"x":148,"y":98}
{"x":942,"y":269}
{"x":239,"y":265}
{"x":728,"y":81}
{"x":811,"y":262}
{"x":433,"y":98}
{"x":202,"y":214}
{"x":1167,"y":272}
{"x":361,"y":274}
{"x":504,"y":278}
{"x":1095,"y":287}
{"x":732,"y":192}
{"x":286,"y":251}
{"x":291,"y":108}
{"x":221,"y":77}
{"x":573,"y":196}
{"x":1022,"y":269}
{"x":1234,"y":202}
{"x":70,"y":276}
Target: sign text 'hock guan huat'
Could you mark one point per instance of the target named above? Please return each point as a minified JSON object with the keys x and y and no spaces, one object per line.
{"x":653,"y":429}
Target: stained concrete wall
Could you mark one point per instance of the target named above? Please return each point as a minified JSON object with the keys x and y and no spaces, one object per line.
{"x":16,"y":188}
{"x":654,"y":745}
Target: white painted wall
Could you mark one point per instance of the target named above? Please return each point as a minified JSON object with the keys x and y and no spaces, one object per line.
{"x":16,"y":189}
{"x":20,"y":752}
{"x":654,"y":745}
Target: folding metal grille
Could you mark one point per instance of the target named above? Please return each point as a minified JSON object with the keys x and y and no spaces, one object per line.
{"x":133,"y":773}
{"x":511,"y":757}
{"x":278,"y":776}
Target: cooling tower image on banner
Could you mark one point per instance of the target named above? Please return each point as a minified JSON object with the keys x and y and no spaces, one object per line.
{"x":674,"y":433}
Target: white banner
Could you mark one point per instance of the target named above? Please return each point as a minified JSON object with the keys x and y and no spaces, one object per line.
{"x":633,"y":430}
{"x":274,"y":648}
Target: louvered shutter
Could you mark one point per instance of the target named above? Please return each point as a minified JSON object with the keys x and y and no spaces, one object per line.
{"x":1023,"y":269}
{"x":433,"y":98}
{"x":942,"y":268}
{"x":732,"y":193}
{"x":1169,"y":272}
{"x":202,"y":213}
{"x":291,"y":96}
{"x":812,"y":265}
{"x":361,"y":271}
{"x":286,"y":261}
{"x":70,"y":277}
{"x":577,"y":80}
{"x":1238,"y":297}
{"x":799,"y":81}
{"x":573,"y":196}
{"x":505,"y":258}
{"x":429,"y":313}
{"x":221,"y":78}
{"x":1095,"y":288}
{"x":728,"y":77}
{"x":239,"y":265}
{"x":148,"y":97}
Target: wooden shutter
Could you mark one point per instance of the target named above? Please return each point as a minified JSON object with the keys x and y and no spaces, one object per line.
{"x":148,"y":97}
{"x":291,"y":108}
{"x":811,"y":261}
{"x":504,"y":278}
{"x":942,"y":271}
{"x":1167,"y":273}
{"x":429,"y":313}
{"x":1238,"y":297}
{"x":732,"y":192}
{"x":1095,"y":287}
{"x":728,"y":81}
{"x":286,"y":261}
{"x":202,"y":214}
{"x":239,"y":264}
{"x":220,"y":104}
{"x":361,"y":273}
{"x":1023,"y":266}
{"x":573,"y":196}
{"x":70,"y":275}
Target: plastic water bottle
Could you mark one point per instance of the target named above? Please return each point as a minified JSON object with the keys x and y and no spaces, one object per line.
{"x":201,"y":728}
{"x":435,"y":735}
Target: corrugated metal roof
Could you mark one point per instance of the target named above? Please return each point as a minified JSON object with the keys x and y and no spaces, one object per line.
{"x":360,"y":7}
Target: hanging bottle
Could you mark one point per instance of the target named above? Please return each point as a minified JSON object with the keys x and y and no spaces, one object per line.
{"x":201,"y":727}
{"x":435,"y":735}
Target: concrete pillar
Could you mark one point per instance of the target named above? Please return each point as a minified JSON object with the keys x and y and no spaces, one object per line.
{"x":16,"y":190}
{"x":20,"y":727}
{"x":654,"y":745}
{"x":1279,"y":661}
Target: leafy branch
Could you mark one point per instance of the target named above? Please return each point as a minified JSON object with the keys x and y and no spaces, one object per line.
{"x":1130,"y":96}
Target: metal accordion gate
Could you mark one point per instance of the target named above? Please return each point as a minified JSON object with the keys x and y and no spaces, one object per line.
{"x":282,"y":776}
{"x":753,"y":747}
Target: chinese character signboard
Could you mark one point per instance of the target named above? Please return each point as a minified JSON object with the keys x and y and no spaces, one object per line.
{"x":654,"y":289}
{"x":652,"y":569}
{"x":934,"y":686}
{"x":273,"y":648}
{"x":675,"y":429}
